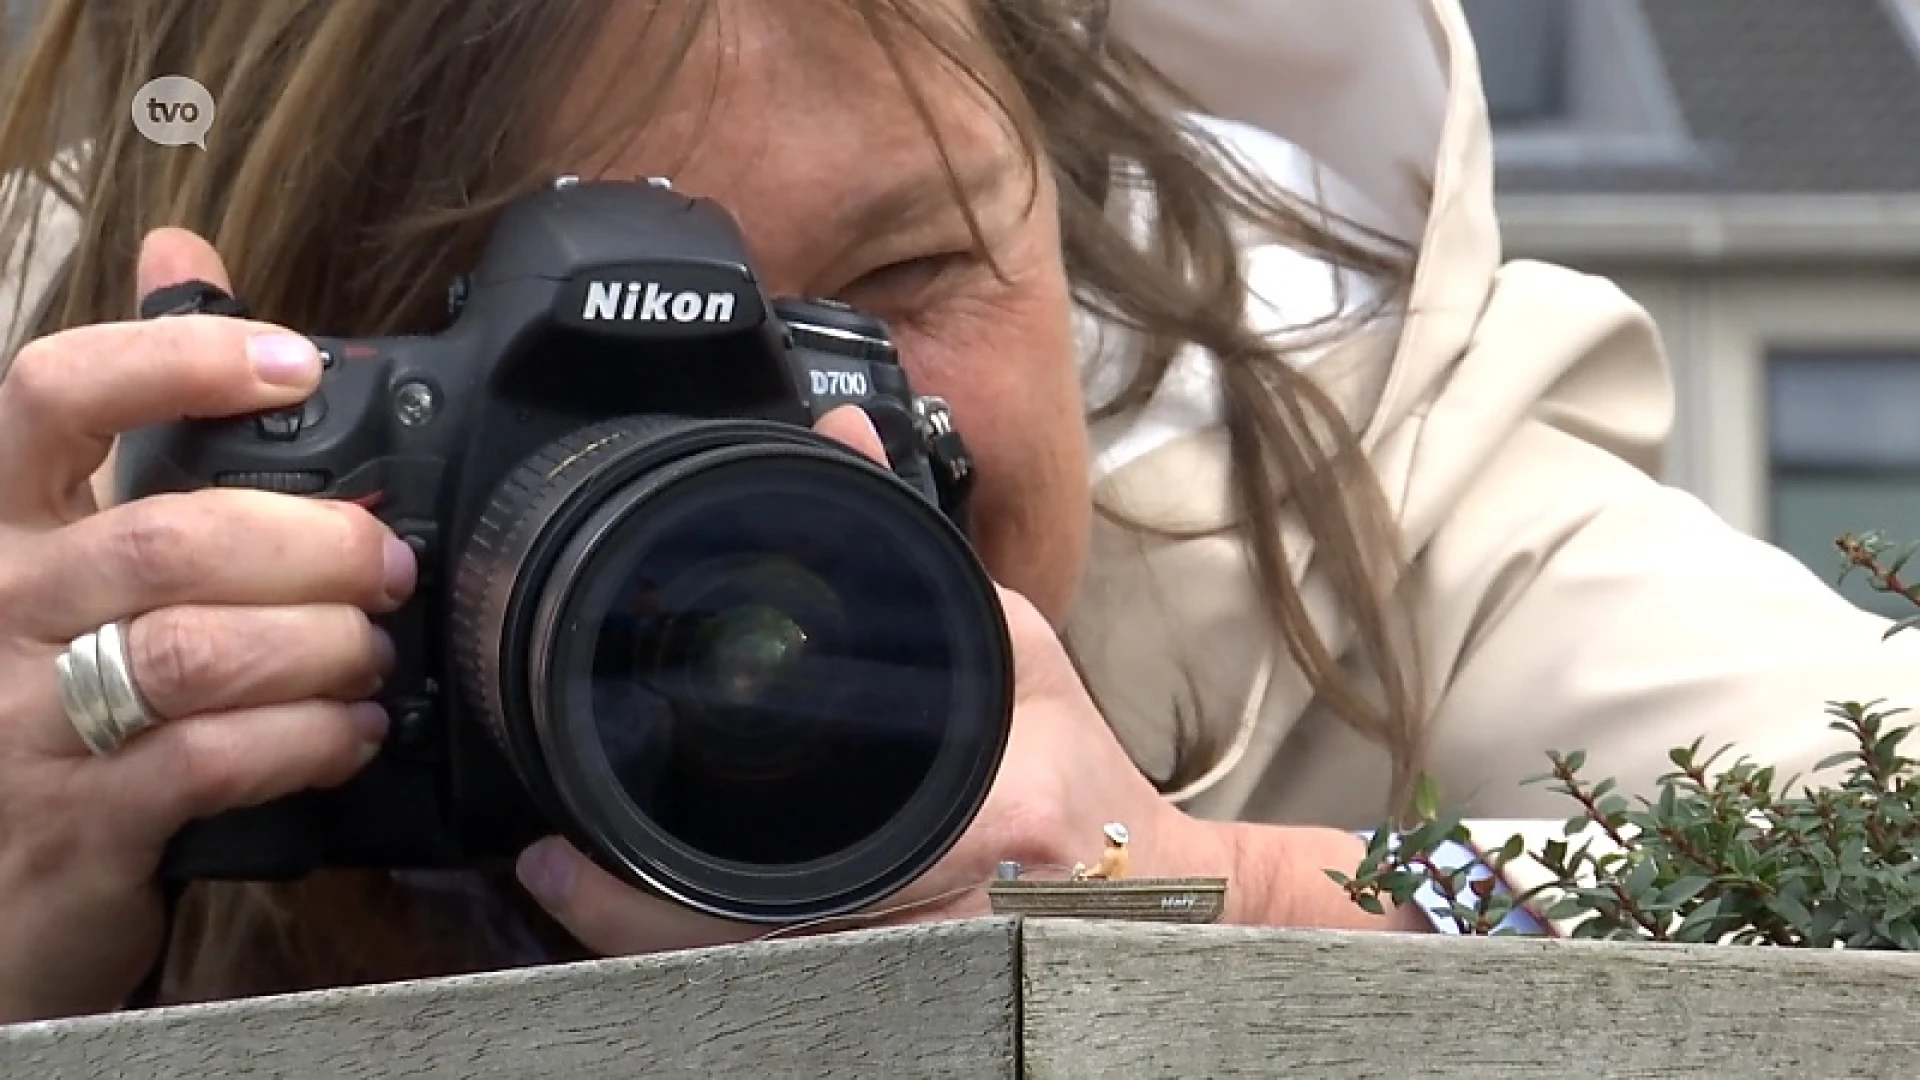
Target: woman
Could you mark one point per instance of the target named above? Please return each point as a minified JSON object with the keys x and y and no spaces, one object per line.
{"x":1393,"y":515}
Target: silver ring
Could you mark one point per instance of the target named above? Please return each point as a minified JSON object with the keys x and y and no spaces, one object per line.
{"x":97,"y":690}
{"x":129,"y":710}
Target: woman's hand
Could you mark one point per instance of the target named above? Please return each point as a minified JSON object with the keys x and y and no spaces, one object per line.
{"x":1064,"y":777}
{"x":246,"y":619}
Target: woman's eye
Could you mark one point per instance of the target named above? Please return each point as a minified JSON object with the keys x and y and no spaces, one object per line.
{"x":909,"y":283}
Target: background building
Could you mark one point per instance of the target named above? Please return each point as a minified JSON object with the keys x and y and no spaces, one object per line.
{"x":1750,"y":171}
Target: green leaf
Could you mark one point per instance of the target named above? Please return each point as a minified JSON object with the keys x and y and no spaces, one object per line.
{"x":1700,"y":924}
{"x":1683,"y":890}
{"x":1377,"y":843}
{"x":1426,"y":797}
{"x":1640,"y":879}
{"x":1794,"y":912}
{"x":1905,"y":935}
{"x":1515,"y":847}
{"x":1892,"y":739}
{"x":1832,"y":760}
{"x":1565,"y":907}
{"x":1593,"y":928}
{"x":1820,"y":933}
{"x":1899,"y":562}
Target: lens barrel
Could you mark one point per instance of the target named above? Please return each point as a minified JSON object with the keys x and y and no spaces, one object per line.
{"x":735,"y":662}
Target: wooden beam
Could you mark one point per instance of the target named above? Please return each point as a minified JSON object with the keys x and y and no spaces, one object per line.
{"x":1058,"y":998}
{"x":1105,"y":999}
{"x":931,"y":1001}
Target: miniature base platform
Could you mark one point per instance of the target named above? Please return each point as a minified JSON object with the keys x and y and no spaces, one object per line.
{"x":1168,"y":900}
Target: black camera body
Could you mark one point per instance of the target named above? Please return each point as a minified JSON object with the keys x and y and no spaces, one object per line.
{"x":733,"y":661}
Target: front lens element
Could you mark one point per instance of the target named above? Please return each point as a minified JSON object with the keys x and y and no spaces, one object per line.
{"x":768,"y":672}
{"x":737,"y":627}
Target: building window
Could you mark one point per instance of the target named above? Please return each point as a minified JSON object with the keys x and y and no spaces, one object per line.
{"x":1844,"y":456}
{"x":1524,"y":57}
{"x":1573,"y":84}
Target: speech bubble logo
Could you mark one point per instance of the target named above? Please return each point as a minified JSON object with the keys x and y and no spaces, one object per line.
{"x":173,"y":110}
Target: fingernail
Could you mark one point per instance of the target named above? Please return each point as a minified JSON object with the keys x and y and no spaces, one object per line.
{"x":398,"y":564}
{"x":546,"y":870}
{"x":284,"y":359}
{"x":369,"y":722}
{"x":384,"y":654}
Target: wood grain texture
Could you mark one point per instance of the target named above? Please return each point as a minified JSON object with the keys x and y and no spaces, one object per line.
{"x":1105,"y":999}
{"x":933,"y":1001}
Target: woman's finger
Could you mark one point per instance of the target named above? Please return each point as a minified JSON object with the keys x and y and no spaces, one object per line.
{"x":611,"y":917}
{"x":213,"y":762}
{"x":66,"y":396}
{"x":168,"y":256}
{"x":188,"y":660}
{"x":219,"y":546}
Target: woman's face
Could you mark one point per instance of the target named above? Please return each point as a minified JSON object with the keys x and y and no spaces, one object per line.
{"x":788,"y":114}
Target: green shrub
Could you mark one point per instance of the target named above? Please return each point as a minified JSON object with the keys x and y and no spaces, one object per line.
{"x":1723,"y":853}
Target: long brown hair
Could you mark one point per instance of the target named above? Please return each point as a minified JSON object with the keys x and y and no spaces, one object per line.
{"x":364,"y":146}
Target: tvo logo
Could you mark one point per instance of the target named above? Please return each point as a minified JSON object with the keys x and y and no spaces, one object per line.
{"x":173,"y":110}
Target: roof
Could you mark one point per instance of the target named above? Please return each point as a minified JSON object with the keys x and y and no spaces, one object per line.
{"x":1778,"y":97}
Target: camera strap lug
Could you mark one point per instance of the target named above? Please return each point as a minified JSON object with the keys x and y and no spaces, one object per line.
{"x":191,"y":298}
{"x":952,"y":462}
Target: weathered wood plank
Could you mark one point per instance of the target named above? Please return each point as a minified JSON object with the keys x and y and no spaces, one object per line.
{"x":1104,"y":999}
{"x":926,"y":1001}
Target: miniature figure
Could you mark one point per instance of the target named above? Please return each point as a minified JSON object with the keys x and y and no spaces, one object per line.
{"x":1113,"y":861}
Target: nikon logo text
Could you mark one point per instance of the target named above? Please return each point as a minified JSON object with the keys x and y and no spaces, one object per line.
{"x":647,"y":302}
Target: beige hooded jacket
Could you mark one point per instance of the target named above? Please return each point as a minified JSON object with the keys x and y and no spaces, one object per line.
{"x":1568,"y":599}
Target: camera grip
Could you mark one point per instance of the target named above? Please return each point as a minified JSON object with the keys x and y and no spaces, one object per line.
{"x":262,"y":843}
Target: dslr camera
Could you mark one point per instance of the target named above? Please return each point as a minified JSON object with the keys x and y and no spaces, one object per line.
{"x":738,"y":664}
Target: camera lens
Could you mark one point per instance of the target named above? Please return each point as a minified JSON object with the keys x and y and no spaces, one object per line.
{"x":758,"y":674}
{"x":752,"y":711}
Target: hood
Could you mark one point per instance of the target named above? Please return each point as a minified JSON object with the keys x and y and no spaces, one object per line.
{"x":1360,"y":85}
{"x":1374,"y":110}
{"x":1380,"y":106}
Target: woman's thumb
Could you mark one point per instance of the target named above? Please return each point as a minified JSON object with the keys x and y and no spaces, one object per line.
{"x":171,"y":256}
{"x":1040,"y":661}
